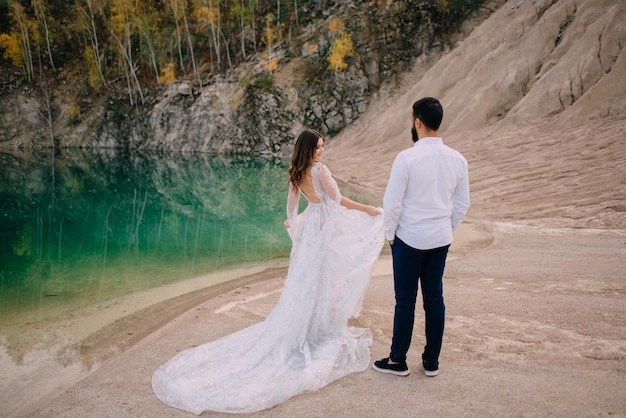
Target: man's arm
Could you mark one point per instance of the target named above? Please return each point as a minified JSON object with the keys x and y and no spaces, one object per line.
{"x":394,"y":194}
{"x":460,"y":199}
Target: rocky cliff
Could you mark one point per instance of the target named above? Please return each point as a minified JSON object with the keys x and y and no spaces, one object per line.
{"x":249,"y":109}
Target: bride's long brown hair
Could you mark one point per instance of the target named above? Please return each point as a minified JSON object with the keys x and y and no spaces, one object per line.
{"x":303,"y":155}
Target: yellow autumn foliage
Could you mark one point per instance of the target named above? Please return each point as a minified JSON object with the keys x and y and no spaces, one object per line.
{"x":336,"y":25}
{"x":12,"y":50}
{"x":168,"y":74}
{"x":93,"y":77}
{"x":341,"y":48}
{"x":272,"y":65}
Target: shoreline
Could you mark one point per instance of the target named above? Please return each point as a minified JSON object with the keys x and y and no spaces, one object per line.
{"x":537,"y":307}
{"x":90,"y":337}
{"x":49,"y":356}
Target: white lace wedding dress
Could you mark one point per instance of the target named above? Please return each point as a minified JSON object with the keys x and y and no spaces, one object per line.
{"x":305,"y":342}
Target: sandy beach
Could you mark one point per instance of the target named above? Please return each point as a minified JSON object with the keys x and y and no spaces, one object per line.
{"x":531,"y":330}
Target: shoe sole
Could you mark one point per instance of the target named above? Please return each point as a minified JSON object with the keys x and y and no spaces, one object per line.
{"x":404,"y":373}
{"x":431,"y":373}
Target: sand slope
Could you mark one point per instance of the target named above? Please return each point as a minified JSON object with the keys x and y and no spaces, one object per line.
{"x":535,"y":98}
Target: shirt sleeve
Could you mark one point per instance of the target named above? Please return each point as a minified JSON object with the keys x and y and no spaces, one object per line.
{"x":394,"y":193}
{"x":460,"y":199}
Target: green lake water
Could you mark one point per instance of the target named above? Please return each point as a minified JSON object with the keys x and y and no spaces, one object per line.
{"x":80,"y":231}
{"x":77,"y":228}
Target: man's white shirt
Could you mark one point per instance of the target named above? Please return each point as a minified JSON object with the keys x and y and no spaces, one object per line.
{"x":427,"y":195}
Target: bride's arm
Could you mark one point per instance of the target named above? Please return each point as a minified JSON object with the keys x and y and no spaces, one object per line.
{"x":351,"y":204}
{"x":329,"y":185}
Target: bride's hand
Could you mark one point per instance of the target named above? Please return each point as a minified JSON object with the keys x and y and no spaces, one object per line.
{"x":286,"y":223}
{"x":372,"y":211}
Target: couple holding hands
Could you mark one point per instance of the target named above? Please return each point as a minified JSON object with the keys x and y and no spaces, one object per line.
{"x":305,"y":342}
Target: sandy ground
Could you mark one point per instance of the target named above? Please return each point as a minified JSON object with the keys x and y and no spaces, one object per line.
{"x":534,"y":328}
{"x":535,"y":286}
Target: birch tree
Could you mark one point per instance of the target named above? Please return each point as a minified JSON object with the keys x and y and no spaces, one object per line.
{"x":207,"y":15}
{"x":148,"y":24}
{"x":122,"y":13}
{"x":175,"y":5}
{"x":40,"y":14}
{"x":251,"y":6}
{"x":90,"y":10}
{"x":190,"y":44}
{"x":240,"y":13}
{"x":23,"y":25}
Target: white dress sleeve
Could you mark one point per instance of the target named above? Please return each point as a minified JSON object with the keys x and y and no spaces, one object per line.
{"x":293,"y":204}
{"x":325,"y":185}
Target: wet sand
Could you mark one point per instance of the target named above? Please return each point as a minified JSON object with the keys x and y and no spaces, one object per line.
{"x":43,"y":358}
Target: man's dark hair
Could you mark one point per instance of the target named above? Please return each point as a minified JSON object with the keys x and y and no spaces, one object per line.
{"x":429,"y":111}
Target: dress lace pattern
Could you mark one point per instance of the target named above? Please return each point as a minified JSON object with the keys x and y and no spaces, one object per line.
{"x":305,"y":342}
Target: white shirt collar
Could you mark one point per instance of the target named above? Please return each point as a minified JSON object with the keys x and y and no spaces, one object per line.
{"x":429,"y":140}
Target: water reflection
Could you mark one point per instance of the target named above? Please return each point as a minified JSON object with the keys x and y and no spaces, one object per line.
{"x":75,"y":228}
{"x":80,"y":229}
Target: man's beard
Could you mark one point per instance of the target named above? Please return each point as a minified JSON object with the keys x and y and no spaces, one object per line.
{"x":414,"y":134}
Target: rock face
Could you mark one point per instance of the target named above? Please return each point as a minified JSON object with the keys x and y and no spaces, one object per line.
{"x":250,"y":109}
{"x":530,"y":59}
{"x":253,"y":111}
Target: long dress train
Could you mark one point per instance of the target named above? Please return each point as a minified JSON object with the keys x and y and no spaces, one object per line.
{"x":305,"y":342}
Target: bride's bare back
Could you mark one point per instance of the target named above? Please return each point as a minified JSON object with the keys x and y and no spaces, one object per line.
{"x":306,"y":186}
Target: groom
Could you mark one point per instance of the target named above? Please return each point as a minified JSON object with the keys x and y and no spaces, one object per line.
{"x":426,"y":198}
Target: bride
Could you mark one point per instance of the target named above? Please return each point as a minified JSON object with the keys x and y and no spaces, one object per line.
{"x":305,"y":342}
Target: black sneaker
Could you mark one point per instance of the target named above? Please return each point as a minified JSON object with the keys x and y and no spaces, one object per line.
{"x":383,"y":366}
{"x":431,"y":373}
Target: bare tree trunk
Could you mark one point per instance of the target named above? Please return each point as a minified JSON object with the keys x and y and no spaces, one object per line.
{"x":230,"y":63}
{"x":178,"y":40}
{"x":153,"y":61}
{"x":147,"y":37}
{"x":45,"y":23}
{"x":93,"y":37}
{"x":216,"y":45}
{"x":27,"y":54}
{"x":189,"y":41}
{"x":95,"y":42}
{"x":128,"y":54}
{"x":129,"y":86}
{"x":253,"y":25}
{"x":23,"y":24}
{"x":295,"y":4}
{"x":243,"y":26}
{"x":129,"y":69}
{"x":40,"y":12}
{"x":46,"y":103}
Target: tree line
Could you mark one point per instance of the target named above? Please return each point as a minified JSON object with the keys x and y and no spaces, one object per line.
{"x":143,"y":42}
{"x":136,"y":41}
